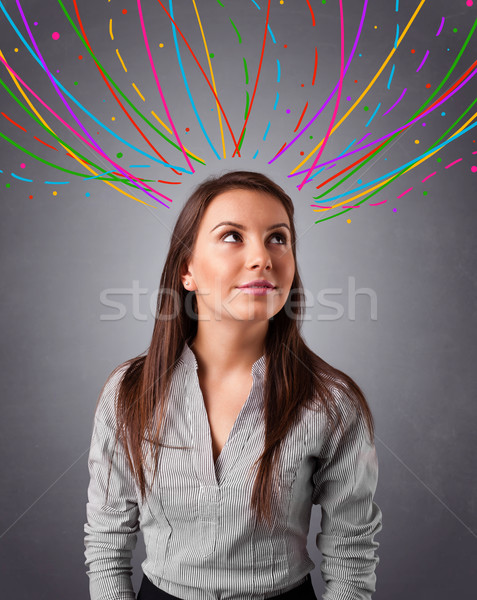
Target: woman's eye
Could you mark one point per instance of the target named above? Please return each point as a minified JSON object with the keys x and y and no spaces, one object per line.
{"x":275,"y":235}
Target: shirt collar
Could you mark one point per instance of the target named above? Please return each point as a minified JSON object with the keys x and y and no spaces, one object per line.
{"x":189,"y":359}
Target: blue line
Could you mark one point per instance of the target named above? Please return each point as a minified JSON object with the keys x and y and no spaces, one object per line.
{"x":397,"y":35}
{"x":21,"y":178}
{"x":1,"y":171}
{"x":27,"y":46}
{"x":391,"y":77}
{"x":397,"y":5}
{"x":411,"y":162}
{"x":138,"y":166}
{"x":347,"y":147}
{"x":279,"y":71}
{"x":315,"y":174}
{"x":179,"y":59}
{"x":373,"y":115}
{"x":323,"y":168}
{"x":271,"y":34}
{"x":99,"y":175}
{"x":276,"y":102}
{"x":266,"y":131}
{"x":255,"y":155}
{"x":56,"y":182}
{"x":256,"y":4}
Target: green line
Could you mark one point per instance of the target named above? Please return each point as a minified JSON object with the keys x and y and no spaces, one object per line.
{"x":246,"y":70}
{"x":241,"y":141}
{"x":446,"y":77}
{"x":220,"y":3}
{"x":236,"y":31}
{"x":453,"y":125}
{"x":106,"y":74}
{"x":247,"y":100}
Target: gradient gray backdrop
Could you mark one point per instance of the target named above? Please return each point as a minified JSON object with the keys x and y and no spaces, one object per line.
{"x":413,"y":354}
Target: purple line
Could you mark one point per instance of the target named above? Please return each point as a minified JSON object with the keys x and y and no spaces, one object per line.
{"x":423,"y":61}
{"x":334,"y":90}
{"x":396,"y":103}
{"x":429,"y":110}
{"x":364,"y":137}
{"x":95,"y":145}
{"x":442,"y":25}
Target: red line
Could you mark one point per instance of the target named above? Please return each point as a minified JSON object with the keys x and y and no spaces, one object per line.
{"x":170,"y":182}
{"x":203,"y":73}
{"x":12,"y":121}
{"x":281,"y":149}
{"x":316,"y":64}
{"x":301,"y":118}
{"x":114,"y":94}
{"x":44,"y":143}
{"x":256,"y":80}
{"x":312,"y":14}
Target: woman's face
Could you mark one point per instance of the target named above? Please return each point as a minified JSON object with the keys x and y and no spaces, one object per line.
{"x":227,"y":256}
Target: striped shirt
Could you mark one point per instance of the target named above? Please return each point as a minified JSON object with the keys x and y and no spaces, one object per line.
{"x":202,"y":539}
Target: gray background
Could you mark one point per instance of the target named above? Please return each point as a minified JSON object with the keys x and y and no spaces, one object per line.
{"x":413,"y":357}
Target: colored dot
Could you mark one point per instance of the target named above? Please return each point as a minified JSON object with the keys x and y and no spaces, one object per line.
{"x":125,"y":12}
{"x":425,"y":193}
{"x":443,"y":114}
{"x":35,"y":23}
{"x":288,"y":111}
{"x":87,"y":194}
{"x":55,"y":35}
{"x":113,"y":118}
{"x":413,"y":51}
{"x":302,"y":153}
{"x":360,"y":55}
{"x":394,"y":209}
{"x":16,"y":49}
{"x":80,"y":57}
{"x":30,"y":197}
{"x":281,"y":1}
{"x":348,"y":98}
{"x":366,"y":108}
{"x":55,"y":193}
{"x":416,"y":141}
{"x":428,"y":85}
{"x":187,"y":129}
{"x":7,"y":185}
{"x":119,"y":155}
{"x":473,"y":169}
{"x":323,"y":1}
{"x":57,"y":70}
{"x":22,"y":166}
{"x":311,"y":137}
{"x":439,"y":159}
{"x":455,"y":30}
{"x":423,"y":124}
{"x":211,"y":55}
{"x":302,"y":85}
{"x":356,"y":81}
{"x":375,"y":27}
{"x":359,"y":181}
{"x":348,"y":220}
{"x":161,"y":45}
{"x":470,"y":3}
{"x":75,"y":83}
{"x":285,"y":45}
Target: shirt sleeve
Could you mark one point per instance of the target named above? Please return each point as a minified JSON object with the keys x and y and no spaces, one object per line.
{"x":111,"y":526}
{"x":344,"y":486}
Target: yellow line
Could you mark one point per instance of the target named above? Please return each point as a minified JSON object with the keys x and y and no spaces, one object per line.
{"x":119,"y":56}
{"x":139,"y":93}
{"x":383,"y":66}
{"x":410,"y":168}
{"x":111,"y":29}
{"x":169,"y":131}
{"x":212,"y":77}
{"x":85,"y":165}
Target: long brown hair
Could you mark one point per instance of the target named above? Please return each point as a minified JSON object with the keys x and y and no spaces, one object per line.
{"x":295,"y":378}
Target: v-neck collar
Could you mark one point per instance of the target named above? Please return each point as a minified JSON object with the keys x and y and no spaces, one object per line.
{"x":208,"y":472}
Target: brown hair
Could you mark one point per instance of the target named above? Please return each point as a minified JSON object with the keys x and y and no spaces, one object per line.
{"x":295,"y":378}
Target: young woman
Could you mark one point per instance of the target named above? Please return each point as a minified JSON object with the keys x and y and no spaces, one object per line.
{"x":235,"y":427}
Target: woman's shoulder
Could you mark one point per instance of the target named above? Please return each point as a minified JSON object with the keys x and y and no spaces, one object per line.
{"x":106,"y":403}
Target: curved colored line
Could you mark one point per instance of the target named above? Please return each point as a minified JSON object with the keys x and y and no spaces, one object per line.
{"x":397,"y":102}
{"x":325,"y":104}
{"x":186,"y":83}
{"x":312,"y":13}
{"x":370,"y":85}
{"x":236,"y":31}
{"x":279,"y":71}
{"x":256,"y":80}
{"x":202,"y":71}
{"x":441,"y":26}
{"x":391,"y":77}
{"x":22,"y":178}
{"x":271,"y":34}
{"x":121,"y":60}
{"x":13,"y":122}
{"x":156,"y":78}
{"x":423,"y":61}
{"x":111,"y":29}
{"x":246,"y":70}
{"x":338,"y":99}
{"x":301,"y":117}
{"x":211,"y":73}
{"x":315,"y":67}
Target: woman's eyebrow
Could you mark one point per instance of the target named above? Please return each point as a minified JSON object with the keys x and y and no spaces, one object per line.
{"x":239,"y":226}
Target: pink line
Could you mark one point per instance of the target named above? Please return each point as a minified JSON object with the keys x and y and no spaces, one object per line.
{"x":426,"y":178}
{"x":378,"y":203}
{"x":453,"y":163}
{"x":442,"y":25}
{"x":99,"y":151}
{"x":423,"y":61}
{"x":338,"y":99}
{"x":404,"y":193}
{"x":159,"y":87}
{"x":474,"y":152}
{"x":396,"y":103}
